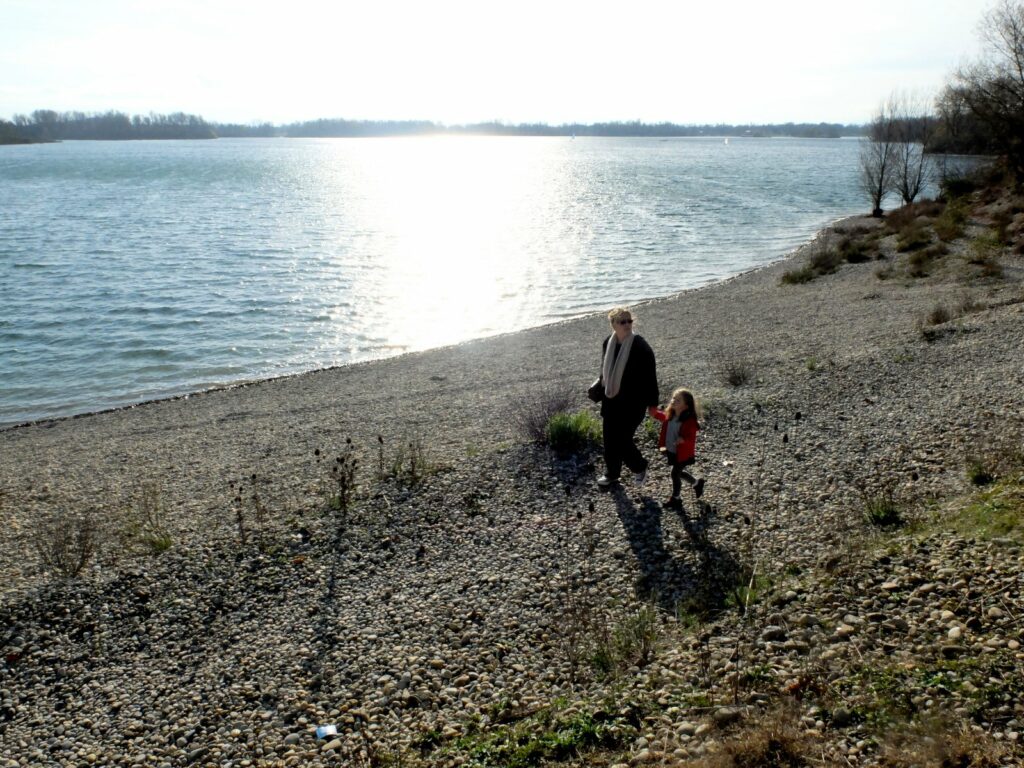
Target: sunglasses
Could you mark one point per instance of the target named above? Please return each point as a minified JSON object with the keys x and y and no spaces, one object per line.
{"x":624,"y":322}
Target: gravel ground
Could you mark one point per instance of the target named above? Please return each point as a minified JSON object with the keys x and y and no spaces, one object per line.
{"x":476,"y":592}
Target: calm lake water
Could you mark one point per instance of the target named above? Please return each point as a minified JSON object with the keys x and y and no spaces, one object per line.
{"x":135,"y":270}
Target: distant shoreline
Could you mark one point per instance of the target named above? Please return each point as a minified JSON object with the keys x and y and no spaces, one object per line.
{"x":118,"y":126}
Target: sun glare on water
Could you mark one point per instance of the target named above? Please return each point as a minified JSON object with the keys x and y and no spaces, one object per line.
{"x":449,"y":224}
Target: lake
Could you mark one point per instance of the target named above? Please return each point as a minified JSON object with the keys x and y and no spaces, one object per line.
{"x":138,"y":270}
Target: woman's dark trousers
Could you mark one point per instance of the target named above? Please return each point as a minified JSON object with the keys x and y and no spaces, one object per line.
{"x":619,"y":447}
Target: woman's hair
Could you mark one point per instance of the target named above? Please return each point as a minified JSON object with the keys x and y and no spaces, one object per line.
{"x":691,"y":404}
{"x":618,"y":313}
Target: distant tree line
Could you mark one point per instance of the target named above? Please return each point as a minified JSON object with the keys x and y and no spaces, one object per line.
{"x":353,"y":128}
{"x":634,"y":128}
{"x":49,"y":125}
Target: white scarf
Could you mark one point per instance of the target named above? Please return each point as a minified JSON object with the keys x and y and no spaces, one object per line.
{"x":613,"y":366}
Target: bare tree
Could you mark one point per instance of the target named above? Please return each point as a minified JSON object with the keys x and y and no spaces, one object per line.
{"x":993,"y":88}
{"x":877,"y":156}
{"x":912,"y":124}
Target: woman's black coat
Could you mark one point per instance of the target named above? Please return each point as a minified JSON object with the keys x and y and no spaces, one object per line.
{"x":639,"y":388}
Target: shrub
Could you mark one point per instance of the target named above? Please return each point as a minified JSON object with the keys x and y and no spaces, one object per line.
{"x":882,"y":508}
{"x":340,"y":483}
{"x":66,"y":542}
{"x":532,"y":412}
{"x":734,"y":368}
{"x":631,"y":641}
{"x":968,"y":305}
{"x":919,"y":263}
{"x":410,"y":464}
{"x":978,"y":471}
{"x":150,"y":520}
{"x":914,"y":236}
{"x":996,"y":455}
{"x":569,"y":433}
{"x":950,"y":225}
{"x":938,"y":315}
{"x":985,"y":252}
{"x":822,"y":260}
{"x":797,"y":276}
{"x":907,"y":216}
{"x":854,"y":251}
{"x":955,"y":186}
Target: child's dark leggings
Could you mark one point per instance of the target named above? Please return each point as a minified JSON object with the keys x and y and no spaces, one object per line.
{"x":679,"y":473}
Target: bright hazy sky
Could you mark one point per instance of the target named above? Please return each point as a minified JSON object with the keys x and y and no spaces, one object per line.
{"x":450,"y":61}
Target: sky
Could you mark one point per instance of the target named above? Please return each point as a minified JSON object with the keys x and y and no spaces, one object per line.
{"x":455,"y":62}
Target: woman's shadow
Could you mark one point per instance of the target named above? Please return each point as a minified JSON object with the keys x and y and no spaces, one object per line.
{"x":701,"y":571}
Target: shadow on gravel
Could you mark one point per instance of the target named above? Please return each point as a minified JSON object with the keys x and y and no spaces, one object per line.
{"x":665,"y":576}
{"x":672,"y":578}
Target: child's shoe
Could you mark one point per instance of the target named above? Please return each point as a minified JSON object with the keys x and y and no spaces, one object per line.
{"x":698,"y":488}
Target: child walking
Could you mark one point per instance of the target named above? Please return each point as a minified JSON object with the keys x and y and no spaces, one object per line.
{"x":678,"y":441}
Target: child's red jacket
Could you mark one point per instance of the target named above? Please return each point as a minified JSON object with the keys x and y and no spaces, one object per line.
{"x":686,"y":445}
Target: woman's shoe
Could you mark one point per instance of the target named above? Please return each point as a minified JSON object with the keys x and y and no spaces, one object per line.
{"x":604,"y":481}
{"x":698,"y":488}
{"x":673,"y":502}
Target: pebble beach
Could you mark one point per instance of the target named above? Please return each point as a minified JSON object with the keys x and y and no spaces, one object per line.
{"x":465,"y":595}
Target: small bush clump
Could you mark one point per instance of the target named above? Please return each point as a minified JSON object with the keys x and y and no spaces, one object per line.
{"x":797,"y":276}
{"x":855,"y":251}
{"x":411,"y":463}
{"x":968,"y":305}
{"x":938,"y":315}
{"x":632,"y":641}
{"x":735,"y":370}
{"x":882,"y":509}
{"x":958,"y":186}
{"x":914,"y":236}
{"x":823,"y":260}
{"x":995,"y":456}
{"x":150,"y":521}
{"x":533,"y":412}
{"x":984,"y":253}
{"x":66,"y":542}
{"x":569,"y":433}
{"x":920,"y":263}
{"x":910,"y":215}
{"x":978,"y":471}
{"x":950,"y":224}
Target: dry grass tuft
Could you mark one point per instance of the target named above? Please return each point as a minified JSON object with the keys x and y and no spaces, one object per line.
{"x":774,"y":741}
{"x":940,"y":742}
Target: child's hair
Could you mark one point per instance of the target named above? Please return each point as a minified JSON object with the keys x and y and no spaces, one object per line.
{"x":689,"y":399}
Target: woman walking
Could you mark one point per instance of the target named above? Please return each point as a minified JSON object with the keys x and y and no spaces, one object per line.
{"x":629,"y":386}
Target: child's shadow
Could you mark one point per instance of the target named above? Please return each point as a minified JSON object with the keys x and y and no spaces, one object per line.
{"x":697,"y":523}
{"x":664,"y":576}
{"x":668,"y":577}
